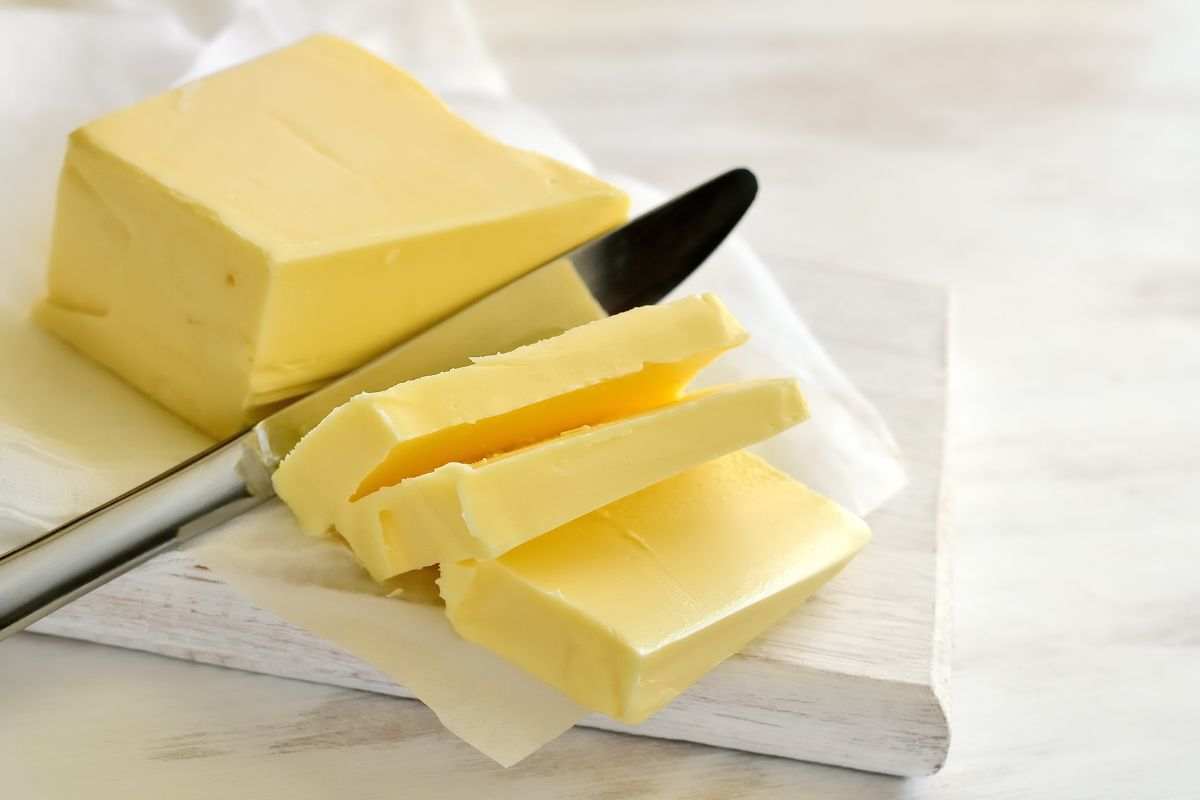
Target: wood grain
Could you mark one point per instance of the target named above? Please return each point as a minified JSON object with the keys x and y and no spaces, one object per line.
{"x":856,"y":678}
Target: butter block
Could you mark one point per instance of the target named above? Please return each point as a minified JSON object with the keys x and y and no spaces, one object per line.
{"x":592,"y":374}
{"x":244,"y":238}
{"x":482,"y":510}
{"x":625,"y":607}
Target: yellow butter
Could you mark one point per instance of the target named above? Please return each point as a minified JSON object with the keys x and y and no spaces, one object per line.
{"x":626,"y":607}
{"x":479,"y":511}
{"x":592,"y":374}
{"x":544,"y":303}
{"x":243,"y":238}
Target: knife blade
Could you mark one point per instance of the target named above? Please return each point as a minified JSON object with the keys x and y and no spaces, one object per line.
{"x":636,"y":264}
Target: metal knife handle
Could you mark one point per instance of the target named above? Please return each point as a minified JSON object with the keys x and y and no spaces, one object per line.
{"x":69,"y":561}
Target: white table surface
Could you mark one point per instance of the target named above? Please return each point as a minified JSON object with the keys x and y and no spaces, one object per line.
{"x":1043,"y":159}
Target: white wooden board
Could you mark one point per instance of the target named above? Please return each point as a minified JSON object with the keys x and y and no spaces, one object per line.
{"x":857,"y":678}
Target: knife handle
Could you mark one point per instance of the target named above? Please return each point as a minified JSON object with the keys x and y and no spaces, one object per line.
{"x":71,"y":560}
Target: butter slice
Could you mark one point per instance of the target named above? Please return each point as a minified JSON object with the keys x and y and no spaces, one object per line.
{"x":626,"y":607}
{"x":482,"y":510}
{"x":592,"y":374}
{"x":244,"y":238}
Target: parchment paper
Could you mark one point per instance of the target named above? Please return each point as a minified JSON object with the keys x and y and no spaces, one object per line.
{"x":71,"y":435}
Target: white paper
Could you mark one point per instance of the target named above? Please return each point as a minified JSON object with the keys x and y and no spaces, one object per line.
{"x":315,"y":582}
{"x":71,"y":435}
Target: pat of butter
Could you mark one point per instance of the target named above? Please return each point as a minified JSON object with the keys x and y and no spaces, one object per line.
{"x":595,"y":373}
{"x":482,"y":510}
{"x":244,"y":238}
{"x":626,"y":607}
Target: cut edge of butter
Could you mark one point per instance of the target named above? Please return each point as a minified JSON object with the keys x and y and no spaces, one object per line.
{"x":594,"y":373}
{"x":482,"y":510}
{"x":597,"y":372}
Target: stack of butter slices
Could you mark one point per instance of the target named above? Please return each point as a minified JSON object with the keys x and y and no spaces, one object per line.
{"x":593,"y":521}
{"x":243,"y":239}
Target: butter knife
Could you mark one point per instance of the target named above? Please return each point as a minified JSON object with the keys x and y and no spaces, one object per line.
{"x":636,"y":264}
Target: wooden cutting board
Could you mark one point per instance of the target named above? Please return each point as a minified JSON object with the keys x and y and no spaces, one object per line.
{"x":858,"y":677}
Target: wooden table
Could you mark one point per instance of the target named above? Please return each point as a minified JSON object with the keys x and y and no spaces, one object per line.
{"x":1041,"y":158}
